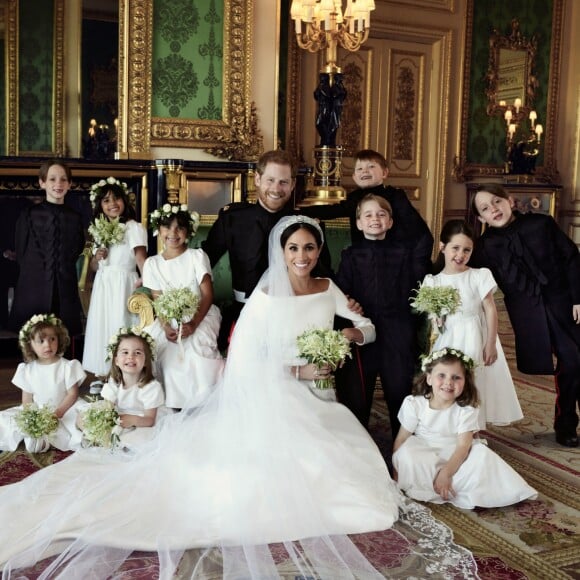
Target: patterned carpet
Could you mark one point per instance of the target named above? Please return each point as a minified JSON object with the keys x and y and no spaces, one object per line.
{"x":533,"y":540}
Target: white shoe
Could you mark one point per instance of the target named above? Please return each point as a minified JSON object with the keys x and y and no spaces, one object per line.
{"x":96,"y":387}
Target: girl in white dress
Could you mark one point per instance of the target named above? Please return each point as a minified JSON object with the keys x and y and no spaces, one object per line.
{"x":116,"y":273}
{"x":473,"y":328}
{"x":188,"y":362}
{"x":46,"y":379}
{"x":435,"y":454}
{"x":131,"y":387}
{"x":263,"y":481}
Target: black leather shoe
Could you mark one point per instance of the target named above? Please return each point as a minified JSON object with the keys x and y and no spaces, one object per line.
{"x":567,"y":439}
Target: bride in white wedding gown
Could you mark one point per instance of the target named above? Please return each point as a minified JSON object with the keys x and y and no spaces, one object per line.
{"x":263,"y":461}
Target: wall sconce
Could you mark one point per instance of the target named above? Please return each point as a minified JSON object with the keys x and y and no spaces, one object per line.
{"x":522,"y":147}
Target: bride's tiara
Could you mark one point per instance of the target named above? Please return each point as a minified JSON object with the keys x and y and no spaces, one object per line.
{"x":290,"y":220}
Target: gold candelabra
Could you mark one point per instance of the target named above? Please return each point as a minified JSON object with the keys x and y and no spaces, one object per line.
{"x":324,"y":25}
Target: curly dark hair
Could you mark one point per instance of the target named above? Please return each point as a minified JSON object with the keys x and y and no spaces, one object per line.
{"x":183,"y":219}
{"x":117,"y":192}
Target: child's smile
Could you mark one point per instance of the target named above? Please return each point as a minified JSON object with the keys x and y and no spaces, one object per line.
{"x":456,"y":253}
{"x":447,"y":381}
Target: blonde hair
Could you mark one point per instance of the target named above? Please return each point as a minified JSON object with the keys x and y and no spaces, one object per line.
{"x":383,"y":203}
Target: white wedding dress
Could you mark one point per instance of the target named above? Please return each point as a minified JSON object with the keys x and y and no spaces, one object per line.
{"x":263,"y":461}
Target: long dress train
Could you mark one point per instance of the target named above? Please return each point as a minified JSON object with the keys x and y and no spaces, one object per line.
{"x":263,"y":461}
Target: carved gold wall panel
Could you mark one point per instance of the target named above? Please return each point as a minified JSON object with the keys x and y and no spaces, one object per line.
{"x":406,"y":98}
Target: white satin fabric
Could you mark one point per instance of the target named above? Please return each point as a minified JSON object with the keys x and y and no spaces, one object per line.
{"x":263,"y":461}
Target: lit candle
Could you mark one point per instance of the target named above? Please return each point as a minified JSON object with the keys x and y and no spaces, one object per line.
{"x":539,"y":130}
{"x":502,"y":104}
{"x":507,"y":116}
{"x":533,"y":117}
{"x":511,"y":129}
{"x":517,"y":105}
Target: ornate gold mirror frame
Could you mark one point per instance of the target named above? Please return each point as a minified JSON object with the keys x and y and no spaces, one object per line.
{"x":511,"y":70}
{"x":11,"y":40}
{"x":235,"y":136}
{"x":466,"y":170}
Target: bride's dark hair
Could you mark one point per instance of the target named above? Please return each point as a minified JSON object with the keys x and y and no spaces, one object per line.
{"x":300,"y":226}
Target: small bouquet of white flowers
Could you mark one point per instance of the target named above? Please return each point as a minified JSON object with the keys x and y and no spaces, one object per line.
{"x":176,"y":306}
{"x":100,"y":425}
{"x":323,"y":346}
{"x":36,"y":422}
{"x":437,"y":302}
{"x":106,"y":232}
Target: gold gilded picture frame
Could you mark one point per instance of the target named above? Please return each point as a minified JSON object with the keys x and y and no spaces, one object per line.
{"x":235,"y":136}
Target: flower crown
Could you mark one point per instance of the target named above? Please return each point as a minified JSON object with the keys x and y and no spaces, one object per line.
{"x":125,"y":332}
{"x":168,"y":211}
{"x":467,"y":361}
{"x":97,"y":188}
{"x":24,"y":334}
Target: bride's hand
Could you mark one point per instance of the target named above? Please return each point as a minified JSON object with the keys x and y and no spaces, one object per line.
{"x":311,"y":372}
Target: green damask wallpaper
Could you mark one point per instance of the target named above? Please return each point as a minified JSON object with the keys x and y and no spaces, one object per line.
{"x":35,"y":75}
{"x":188,"y":45}
{"x":486,"y":135}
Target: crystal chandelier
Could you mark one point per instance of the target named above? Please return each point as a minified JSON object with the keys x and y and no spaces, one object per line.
{"x":323,"y":25}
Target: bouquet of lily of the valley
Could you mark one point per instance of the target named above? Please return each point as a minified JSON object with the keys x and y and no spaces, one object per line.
{"x":100,"y":425}
{"x":106,"y":232}
{"x":323,"y":346}
{"x":36,"y":422}
{"x":437,"y":302}
{"x":176,"y":306}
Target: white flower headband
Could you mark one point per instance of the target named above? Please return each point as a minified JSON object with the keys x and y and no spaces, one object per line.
{"x":467,"y":361}
{"x":97,"y":188}
{"x":127,"y":332}
{"x":168,"y":211}
{"x":24,"y":334}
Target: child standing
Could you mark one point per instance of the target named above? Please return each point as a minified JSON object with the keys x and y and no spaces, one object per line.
{"x":409,"y":228}
{"x":49,"y":240}
{"x":537,"y":267}
{"x":116,"y":276}
{"x":47,"y":379}
{"x":473,"y":328}
{"x":378,"y":272}
{"x":435,"y":454}
{"x":188,"y":361}
{"x":131,"y":387}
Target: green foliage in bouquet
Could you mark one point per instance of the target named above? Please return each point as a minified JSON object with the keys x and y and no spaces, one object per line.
{"x":106,"y":232}
{"x":176,"y":304}
{"x":100,"y":425}
{"x":324,"y":346}
{"x":35,"y":421}
{"x":437,"y":302}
